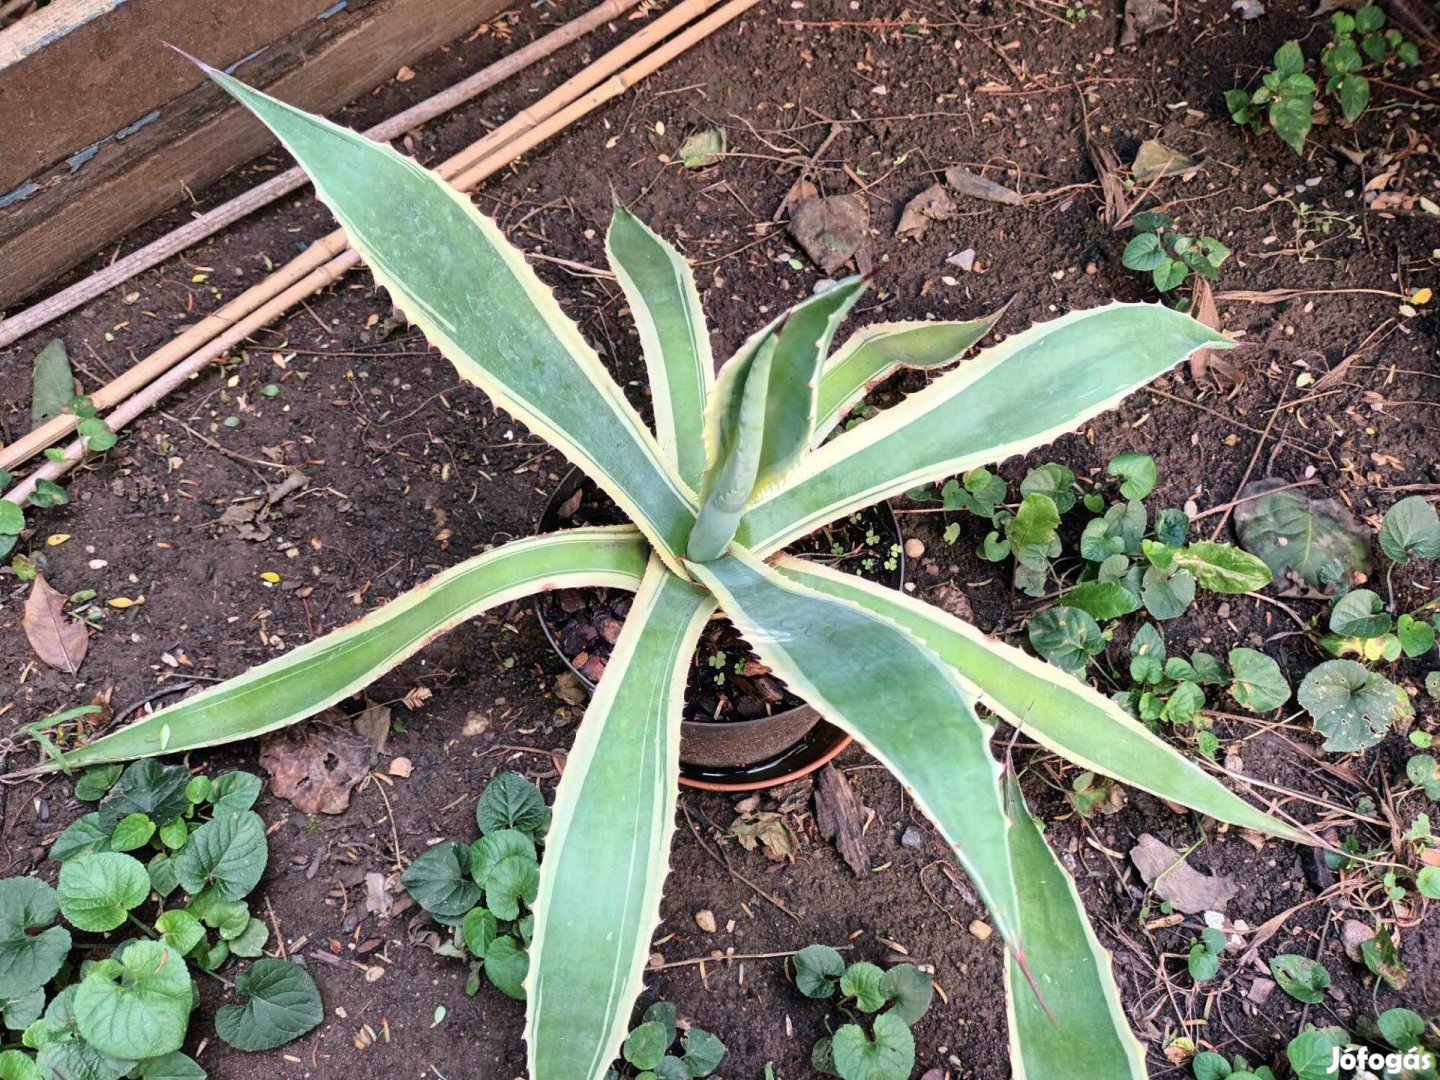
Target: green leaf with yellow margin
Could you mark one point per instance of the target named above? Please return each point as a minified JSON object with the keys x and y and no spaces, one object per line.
{"x":319,"y":673}
{"x":608,"y":850}
{"x":1047,"y":705}
{"x":878,"y":682}
{"x":1085,"y":1032}
{"x":454,"y":274}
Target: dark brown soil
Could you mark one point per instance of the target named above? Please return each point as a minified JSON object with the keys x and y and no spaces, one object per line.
{"x":727,"y":682}
{"x":411,"y":473}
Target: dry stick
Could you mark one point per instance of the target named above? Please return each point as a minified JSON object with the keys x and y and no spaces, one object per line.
{"x":329,"y":272}
{"x":320,"y":253}
{"x":211,"y":222}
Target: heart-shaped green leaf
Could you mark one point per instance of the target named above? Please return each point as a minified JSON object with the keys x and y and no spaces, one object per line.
{"x":146,"y":787}
{"x":1067,"y":637}
{"x":136,"y":1005}
{"x":1259,"y":685}
{"x":227,"y":853}
{"x":1411,"y":530}
{"x":703,"y":1052}
{"x":1353,"y":707}
{"x":17,"y":1066}
{"x":181,"y":930}
{"x":909,"y":990}
{"x":439,"y":880}
{"x":817,"y":970}
{"x":279,"y":1003}
{"x":1137,"y":471}
{"x":864,"y":982}
{"x":29,"y":960}
{"x":890,"y":1056}
{"x":233,"y":792}
{"x":98,"y":891}
{"x":250,"y":942}
{"x":646,"y":1045}
{"x":84,"y":836}
{"x":479,"y":929}
{"x":1359,"y":613}
{"x":506,"y":965}
{"x":95,"y":782}
{"x":133,"y":831}
{"x":512,"y":802}
{"x":1300,"y":977}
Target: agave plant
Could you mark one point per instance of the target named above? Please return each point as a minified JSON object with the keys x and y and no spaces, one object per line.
{"x":738,"y":466}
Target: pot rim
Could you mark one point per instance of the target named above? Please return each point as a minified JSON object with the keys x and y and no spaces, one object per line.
{"x":775,"y":781}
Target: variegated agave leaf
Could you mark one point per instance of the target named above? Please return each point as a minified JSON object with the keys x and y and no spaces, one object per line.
{"x":660,"y":288}
{"x":875,"y":352}
{"x":1012,"y":397}
{"x":457,"y":277}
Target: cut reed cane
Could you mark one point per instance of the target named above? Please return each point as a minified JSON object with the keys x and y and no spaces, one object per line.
{"x":212,"y":221}
{"x":325,"y":274}
{"x":322,"y":251}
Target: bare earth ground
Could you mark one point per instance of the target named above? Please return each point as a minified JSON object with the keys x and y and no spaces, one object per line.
{"x":410,"y":473}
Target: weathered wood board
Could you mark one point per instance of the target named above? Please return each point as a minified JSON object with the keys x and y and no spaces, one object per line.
{"x":102,"y":126}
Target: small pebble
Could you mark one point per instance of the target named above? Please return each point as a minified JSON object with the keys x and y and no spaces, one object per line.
{"x":705,"y":920}
{"x":981,"y":929}
{"x":914,"y":548}
{"x":912,"y":839}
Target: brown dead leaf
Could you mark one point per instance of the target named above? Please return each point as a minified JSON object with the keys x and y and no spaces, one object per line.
{"x":1207,"y":361}
{"x":840,"y":818}
{"x":764,"y":829}
{"x":977,"y":187}
{"x":1144,"y":17}
{"x":401,"y":767}
{"x":932,"y":204}
{"x":58,"y":641}
{"x":316,"y":765}
{"x":830,"y":230}
{"x":1166,"y":871}
{"x":373,"y":724}
{"x":1155,"y":160}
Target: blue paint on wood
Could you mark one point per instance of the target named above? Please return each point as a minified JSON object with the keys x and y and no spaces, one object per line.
{"x":333,"y":9}
{"x":246,"y":59}
{"x":24,"y":191}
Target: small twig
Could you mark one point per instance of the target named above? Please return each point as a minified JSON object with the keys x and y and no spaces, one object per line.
{"x":738,"y":956}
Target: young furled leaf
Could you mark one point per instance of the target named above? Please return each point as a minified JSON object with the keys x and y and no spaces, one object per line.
{"x":510,"y":801}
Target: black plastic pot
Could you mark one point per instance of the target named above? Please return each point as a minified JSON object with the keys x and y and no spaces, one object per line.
{"x":734,"y":755}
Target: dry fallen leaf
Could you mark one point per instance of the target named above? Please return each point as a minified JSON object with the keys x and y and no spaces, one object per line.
{"x":977,"y":187}
{"x":1166,"y":871}
{"x":58,"y":641}
{"x":402,"y":767}
{"x":830,"y":230}
{"x":316,"y":765}
{"x":932,"y":204}
{"x":1154,"y":159}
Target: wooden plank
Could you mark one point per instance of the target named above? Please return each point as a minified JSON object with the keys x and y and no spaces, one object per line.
{"x":50,"y":232}
{"x":68,"y":72}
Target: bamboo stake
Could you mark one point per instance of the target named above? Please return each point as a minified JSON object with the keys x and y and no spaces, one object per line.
{"x":322,"y":251}
{"x":212,"y":221}
{"x":321,"y":276}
